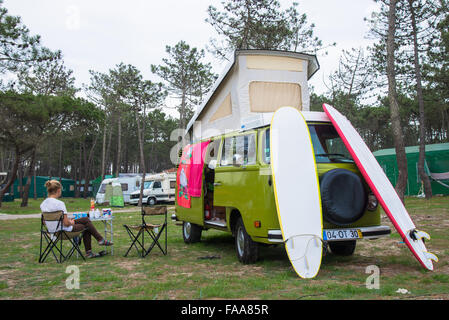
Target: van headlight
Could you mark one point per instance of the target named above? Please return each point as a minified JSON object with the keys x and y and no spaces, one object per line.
{"x":373,"y":203}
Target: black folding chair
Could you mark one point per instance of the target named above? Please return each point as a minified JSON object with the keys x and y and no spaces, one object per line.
{"x":55,"y":239}
{"x":154,"y":231}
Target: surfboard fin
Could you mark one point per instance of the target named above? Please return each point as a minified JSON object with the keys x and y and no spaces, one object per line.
{"x":416,"y":235}
{"x":430,"y":256}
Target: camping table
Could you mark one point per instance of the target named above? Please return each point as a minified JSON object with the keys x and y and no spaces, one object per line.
{"x":108,"y":229}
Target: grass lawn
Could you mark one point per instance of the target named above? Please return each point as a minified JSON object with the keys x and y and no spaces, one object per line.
{"x":183,"y":274}
{"x":72,"y":204}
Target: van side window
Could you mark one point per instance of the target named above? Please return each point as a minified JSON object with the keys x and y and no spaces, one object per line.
{"x":172,"y":184}
{"x":266,"y":147}
{"x":157,"y":185}
{"x":245,"y":150}
{"x":239,"y":150}
{"x":227,"y":152}
{"x":124,"y":186}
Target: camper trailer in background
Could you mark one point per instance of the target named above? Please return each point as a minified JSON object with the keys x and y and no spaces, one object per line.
{"x":129,"y":183}
{"x":157,"y":188}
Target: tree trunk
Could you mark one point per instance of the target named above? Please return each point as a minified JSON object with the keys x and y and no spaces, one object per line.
{"x":103,"y":154}
{"x":394,"y":106}
{"x":30,"y":172}
{"x":60,"y":160}
{"x":20,"y":180}
{"x":13,"y":175}
{"x":119,"y":145}
{"x":422,"y":125}
{"x":140,"y":134}
{"x":78,"y":180}
{"x":88,"y":166}
{"x":35,"y":183}
{"x":182,"y":120}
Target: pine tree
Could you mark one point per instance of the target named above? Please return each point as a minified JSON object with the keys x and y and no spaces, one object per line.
{"x":17,"y":47}
{"x":260,"y":24}
{"x":186,"y":78}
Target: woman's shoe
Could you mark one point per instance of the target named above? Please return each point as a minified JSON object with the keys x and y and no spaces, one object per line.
{"x":91,"y":254}
{"x":105,"y":242}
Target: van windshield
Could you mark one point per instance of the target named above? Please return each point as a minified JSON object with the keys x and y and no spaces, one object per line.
{"x":147,"y":184}
{"x":328,"y":146}
{"x":102,"y":188}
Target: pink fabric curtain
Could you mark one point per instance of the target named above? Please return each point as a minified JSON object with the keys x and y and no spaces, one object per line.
{"x":196,"y":168}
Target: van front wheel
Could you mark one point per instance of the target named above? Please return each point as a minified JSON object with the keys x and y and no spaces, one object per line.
{"x":247,"y":250}
{"x":191,"y":232}
{"x":151,"y":201}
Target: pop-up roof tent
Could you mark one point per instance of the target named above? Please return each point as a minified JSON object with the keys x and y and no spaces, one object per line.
{"x":254,"y":85}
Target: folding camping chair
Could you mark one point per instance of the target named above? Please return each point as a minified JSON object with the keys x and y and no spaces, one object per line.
{"x":55,"y":239}
{"x":153,"y":230}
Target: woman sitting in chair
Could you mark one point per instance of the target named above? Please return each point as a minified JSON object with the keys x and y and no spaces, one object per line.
{"x":52,"y":204}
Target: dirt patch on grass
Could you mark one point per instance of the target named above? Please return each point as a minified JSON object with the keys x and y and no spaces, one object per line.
{"x":384,"y":246}
{"x":128,"y":265}
{"x":211,"y":271}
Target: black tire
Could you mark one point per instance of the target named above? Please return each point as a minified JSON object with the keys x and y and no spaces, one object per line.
{"x":343,"y":248}
{"x":151,"y":201}
{"x":247,"y":250}
{"x":191,"y":233}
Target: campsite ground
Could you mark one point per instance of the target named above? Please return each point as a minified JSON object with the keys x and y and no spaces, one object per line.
{"x":187,"y":273}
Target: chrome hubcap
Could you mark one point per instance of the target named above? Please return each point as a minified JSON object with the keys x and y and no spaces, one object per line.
{"x":187,"y":228}
{"x":240,"y":241}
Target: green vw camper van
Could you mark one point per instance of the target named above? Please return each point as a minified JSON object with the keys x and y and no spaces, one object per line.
{"x":238,"y":196}
{"x":237,"y":193}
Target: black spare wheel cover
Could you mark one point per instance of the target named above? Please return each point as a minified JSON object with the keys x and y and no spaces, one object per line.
{"x":343,"y":196}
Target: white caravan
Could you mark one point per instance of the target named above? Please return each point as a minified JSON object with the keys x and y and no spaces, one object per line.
{"x":157,"y":188}
{"x":129,"y":185}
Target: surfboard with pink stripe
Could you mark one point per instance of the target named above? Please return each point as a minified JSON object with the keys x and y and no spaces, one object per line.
{"x":382,"y":188}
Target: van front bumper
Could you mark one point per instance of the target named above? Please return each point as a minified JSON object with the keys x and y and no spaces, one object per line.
{"x":136,"y":200}
{"x":275,"y":236}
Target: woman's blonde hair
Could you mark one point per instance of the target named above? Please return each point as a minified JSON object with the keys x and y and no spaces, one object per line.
{"x":53,"y":186}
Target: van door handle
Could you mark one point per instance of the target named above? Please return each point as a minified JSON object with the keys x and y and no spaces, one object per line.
{"x":217,"y":184}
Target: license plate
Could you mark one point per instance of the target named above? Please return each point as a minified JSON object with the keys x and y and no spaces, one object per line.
{"x":341,"y":234}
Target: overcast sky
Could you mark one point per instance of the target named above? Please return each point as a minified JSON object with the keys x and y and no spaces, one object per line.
{"x":98,"y":34}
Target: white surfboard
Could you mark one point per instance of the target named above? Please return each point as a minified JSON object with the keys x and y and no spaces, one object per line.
{"x":296,"y":190}
{"x":382,"y":188}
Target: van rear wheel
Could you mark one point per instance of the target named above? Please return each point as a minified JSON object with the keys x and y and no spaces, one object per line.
{"x":191,"y":233}
{"x":247,"y":250}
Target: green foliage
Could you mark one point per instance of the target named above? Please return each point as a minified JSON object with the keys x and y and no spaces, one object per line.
{"x":48,"y":77}
{"x":260,"y":24}
{"x":28,"y":119}
{"x":186,"y":78}
{"x":17,"y":46}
